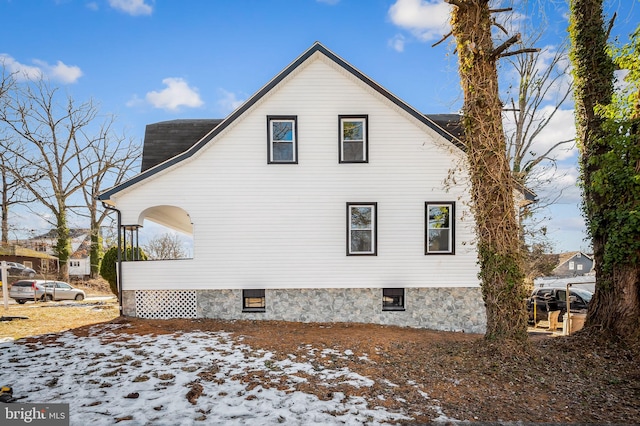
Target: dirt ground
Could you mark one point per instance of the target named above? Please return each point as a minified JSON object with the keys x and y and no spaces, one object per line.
{"x":573,"y":379}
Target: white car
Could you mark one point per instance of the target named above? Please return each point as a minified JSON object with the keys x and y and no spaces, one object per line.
{"x":25,"y":290}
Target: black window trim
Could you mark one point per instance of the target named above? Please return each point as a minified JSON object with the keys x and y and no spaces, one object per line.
{"x":293,"y":118}
{"x":374,"y":236}
{"x":389,"y":292}
{"x":364,"y":117}
{"x":452,"y":221}
{"x":253,"y":293}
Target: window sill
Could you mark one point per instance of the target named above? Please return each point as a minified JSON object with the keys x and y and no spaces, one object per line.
{"x":388,"y":309}
{"x":250,"y":310}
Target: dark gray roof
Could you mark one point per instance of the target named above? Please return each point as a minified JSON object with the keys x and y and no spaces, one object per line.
{"x":452,"y":123}
{"x":169,"y":138}
{"x":317,"y":47}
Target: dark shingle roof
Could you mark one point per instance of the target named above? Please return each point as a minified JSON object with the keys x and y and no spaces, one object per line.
{"x":169,"y":138}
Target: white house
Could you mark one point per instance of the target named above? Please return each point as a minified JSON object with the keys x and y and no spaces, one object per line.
{"x":322,"y":198}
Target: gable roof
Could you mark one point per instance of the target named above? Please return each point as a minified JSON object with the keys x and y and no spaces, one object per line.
{"x":317,"y":47}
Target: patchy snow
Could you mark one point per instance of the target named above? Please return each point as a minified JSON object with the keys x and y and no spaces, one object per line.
{"x":146,"y":380}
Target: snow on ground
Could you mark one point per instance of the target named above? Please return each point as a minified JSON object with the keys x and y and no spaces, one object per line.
{"x":145,"y":380}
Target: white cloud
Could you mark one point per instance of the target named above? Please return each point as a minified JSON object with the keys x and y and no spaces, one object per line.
{"x":228,"y":101}
{"x":397,"y":43}
{"x":176,"y":95}
{"x":132,"y":7}
{"x":58,"y":72}
{"x":563,"y":185}
{"x":426,"y":19}
{"x":61,"y":72}
{"x":561,"y":128}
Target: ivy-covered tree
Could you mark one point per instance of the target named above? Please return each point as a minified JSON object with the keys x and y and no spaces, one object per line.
{"x":608,"y":129}
{"x":492,"y":184}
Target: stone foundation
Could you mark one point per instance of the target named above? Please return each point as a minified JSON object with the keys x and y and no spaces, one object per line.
{"x":450,"y":308}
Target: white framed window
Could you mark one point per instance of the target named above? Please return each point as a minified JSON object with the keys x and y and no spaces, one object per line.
{"x":354,"y":147}
{"x":439,"y":228}
{"x":282,"y":139}
{"x":572,"y":265}
{"x":579,"y":266}
{"x":361,"y":229}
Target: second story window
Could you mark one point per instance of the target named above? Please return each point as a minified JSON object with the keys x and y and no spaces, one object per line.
{"x":283,"y":139}
{"x":353,"y":139}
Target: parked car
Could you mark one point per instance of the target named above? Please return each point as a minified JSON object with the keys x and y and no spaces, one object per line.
{"x":24,"y":290}
{"x":548,"y":299}
{"x":19,"y":269}
{"x":58,"y":290}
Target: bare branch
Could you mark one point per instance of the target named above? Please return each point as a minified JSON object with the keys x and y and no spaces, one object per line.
{"x":444,"y":37}
{"x":517,"y":52}
{"x":496,"y":24}
{"x":506,"y":9}
{"x":504,"y":46}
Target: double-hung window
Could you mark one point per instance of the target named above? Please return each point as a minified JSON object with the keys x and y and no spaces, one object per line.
{"x":353,"y":139}
{"x":439,"y":227}
{"x":361,"y":228}
{"x":253,"y":300}
{"x":283,"y":139}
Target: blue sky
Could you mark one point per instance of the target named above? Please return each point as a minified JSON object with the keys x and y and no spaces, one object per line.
{"x":154,"y":60}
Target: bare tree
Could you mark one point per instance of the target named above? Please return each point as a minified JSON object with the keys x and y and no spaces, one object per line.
{"x":11,"y":188}
{"x":537,"y":82}
{"x":166,"y":246}
{"x":543,"y":86}
{"x":109,"y":160}
{"x":53,"y":132}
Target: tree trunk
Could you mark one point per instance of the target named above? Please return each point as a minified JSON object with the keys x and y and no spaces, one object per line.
{"x":62,"y":247}
{"x":615,"y":307}
{"x":492,"y":184}
{"x":5,"y":208}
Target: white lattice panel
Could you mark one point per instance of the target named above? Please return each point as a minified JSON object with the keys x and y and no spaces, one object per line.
{"x":165,"y":304}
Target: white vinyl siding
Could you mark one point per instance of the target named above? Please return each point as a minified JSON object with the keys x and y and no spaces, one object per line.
{"x":256,"y":225}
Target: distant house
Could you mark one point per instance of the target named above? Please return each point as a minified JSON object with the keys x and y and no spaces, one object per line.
{"x":573,"y":264}
{"x":79,"y":261}
{"x":323,"y":197}
{"x":42,"y":263}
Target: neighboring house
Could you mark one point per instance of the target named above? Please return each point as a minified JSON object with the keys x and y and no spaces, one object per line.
{"x":42,"y":263}
{"x":79,"y":261}
{"x":573,"y":264}
{"x":322,"y":198}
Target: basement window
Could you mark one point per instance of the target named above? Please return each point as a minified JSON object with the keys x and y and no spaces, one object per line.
{"x":253,"y":301}
{"x":393,"y":299}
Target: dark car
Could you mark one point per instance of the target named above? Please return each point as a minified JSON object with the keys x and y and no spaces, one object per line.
{"x":548,"y":299}
{"x":19,"y":269}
